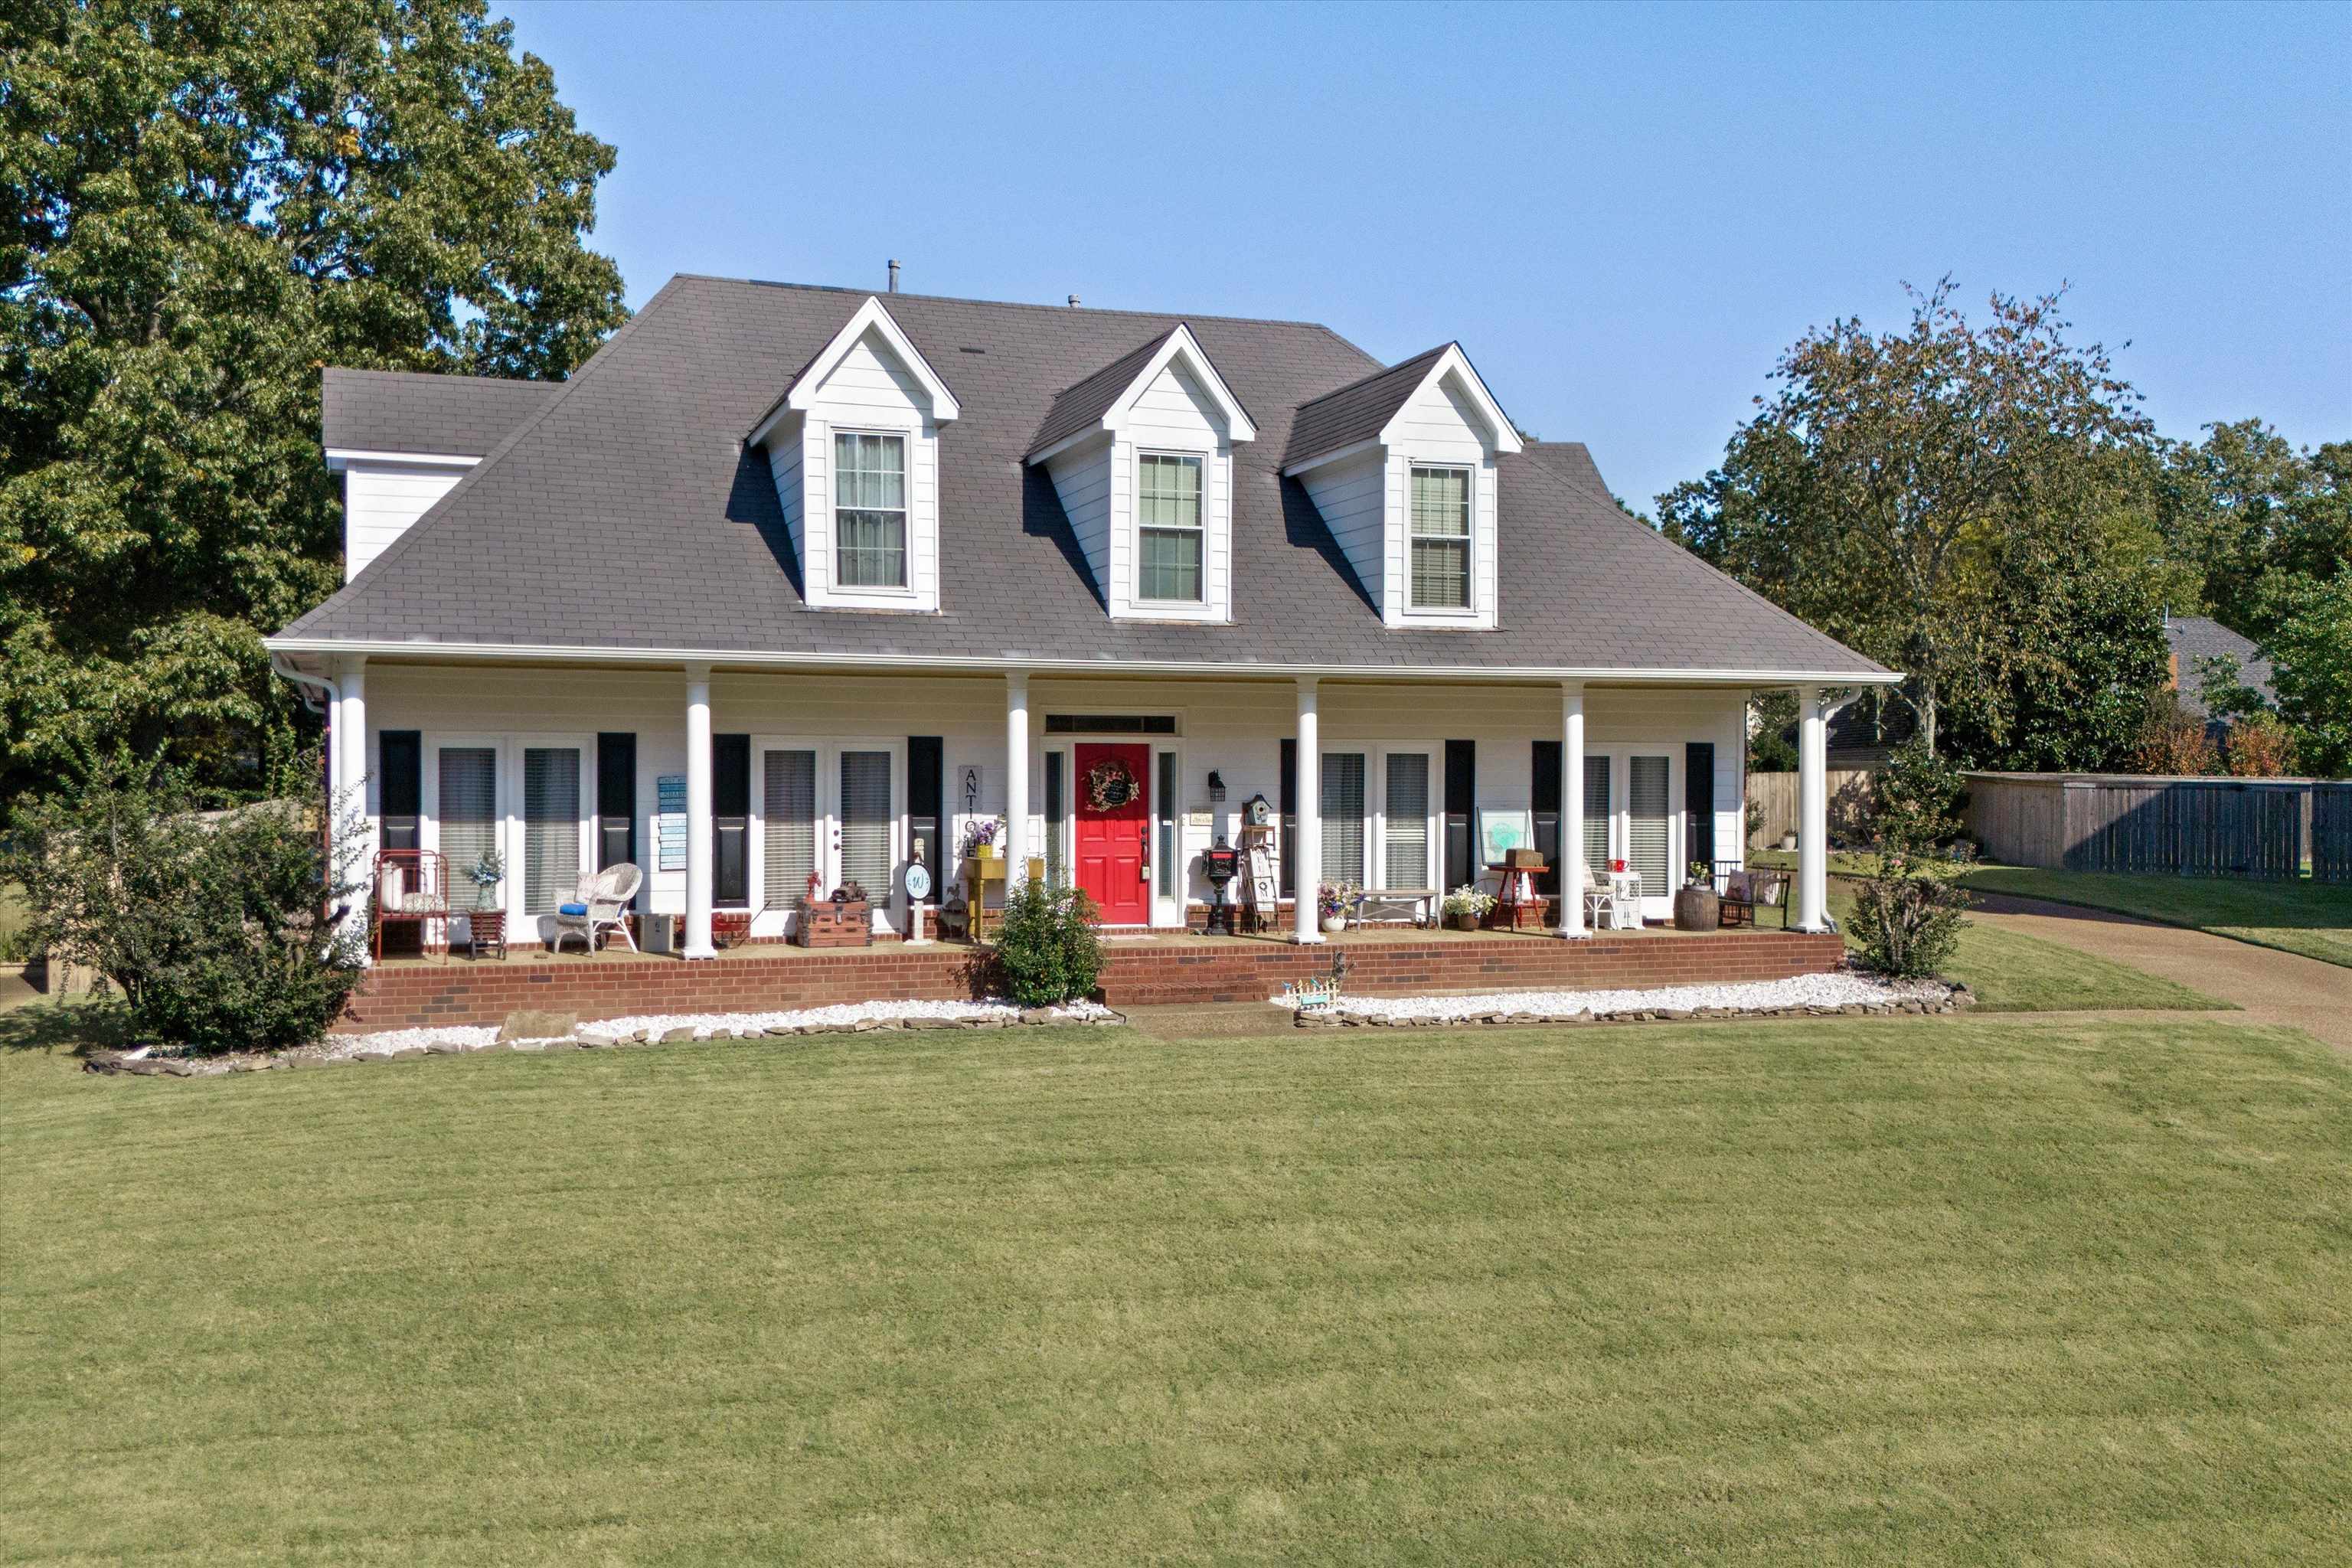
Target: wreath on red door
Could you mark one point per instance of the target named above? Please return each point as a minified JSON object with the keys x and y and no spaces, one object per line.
{"x":1111,"y":785}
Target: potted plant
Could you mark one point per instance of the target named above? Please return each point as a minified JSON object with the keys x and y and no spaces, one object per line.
{"x":1333,"y":899}
{"x":1697,"y":906}
{"x":1466,"y":907}
{"x":486,"y":873}
{"x":979,"y":838}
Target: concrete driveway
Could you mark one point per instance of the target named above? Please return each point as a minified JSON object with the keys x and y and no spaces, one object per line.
{"x":2274,"y":987}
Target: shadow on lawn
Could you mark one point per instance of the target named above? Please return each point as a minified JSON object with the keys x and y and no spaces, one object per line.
{"x":76,"y":1028}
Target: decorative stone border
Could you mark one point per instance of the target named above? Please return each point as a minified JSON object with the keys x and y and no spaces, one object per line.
{"x":134,"y":1064}
{"x":1342,"y":1018}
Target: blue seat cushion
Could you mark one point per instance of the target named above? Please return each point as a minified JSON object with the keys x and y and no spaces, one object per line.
{"x":571,"y":909}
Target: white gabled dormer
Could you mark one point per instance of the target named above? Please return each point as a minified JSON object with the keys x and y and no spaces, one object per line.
{"x":853,"y":446}
{"x":1401,"y":467}
{"x":1141,"y":454}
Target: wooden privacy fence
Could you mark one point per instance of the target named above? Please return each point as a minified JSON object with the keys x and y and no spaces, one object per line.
{"x":2185,"y":826}
{"x":1775,"y":795}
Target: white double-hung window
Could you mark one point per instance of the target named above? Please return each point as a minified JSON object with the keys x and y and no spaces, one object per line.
{"x":1170,"y":538}
{"x":1441,"y":538}
{"x":869,"y":511}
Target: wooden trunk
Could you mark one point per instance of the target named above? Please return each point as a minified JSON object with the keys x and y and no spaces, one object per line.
{"x":825,"y":924}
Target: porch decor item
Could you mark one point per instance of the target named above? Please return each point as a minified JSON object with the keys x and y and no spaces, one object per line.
{"x":1518,"y":905}
{"x":837,"y":921}
{"x":1698,"y":908}
{"x":602,"y":907}
{"x":486,"y":873}
{"x":979,"y":838}
{"x":486,"y":929}
{"x":1466,"y":906}
{"x":1332,"y":900}
{"x":1111,"y":785}
{"x":412,"y":888}
{"x":1748,"y":891}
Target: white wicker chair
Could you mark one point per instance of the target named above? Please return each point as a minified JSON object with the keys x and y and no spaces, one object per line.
{"x":606,"y":896}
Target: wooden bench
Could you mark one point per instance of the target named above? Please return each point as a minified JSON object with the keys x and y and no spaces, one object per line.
{"x":1747,"y":890}
{"x":1413,"y":903}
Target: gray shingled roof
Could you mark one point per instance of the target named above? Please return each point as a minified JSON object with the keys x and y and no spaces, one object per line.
{"x":2194,"y":638}
{"x":1085,"y":403}
{"x":1358,"y":412}
{"x":625,"y":515}
{"x":405,"y":410}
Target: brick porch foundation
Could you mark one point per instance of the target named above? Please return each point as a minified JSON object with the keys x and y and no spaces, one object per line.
{"x":1142,"y":973}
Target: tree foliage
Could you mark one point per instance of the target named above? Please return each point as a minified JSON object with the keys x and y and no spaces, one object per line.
{"x":204,"y":203}
{"x":213,"y":927}
{"x":1933,"y":498}
{"x":2309,"y":643}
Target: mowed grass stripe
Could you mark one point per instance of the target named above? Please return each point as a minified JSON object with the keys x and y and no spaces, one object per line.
{"x":1941,"y":1290}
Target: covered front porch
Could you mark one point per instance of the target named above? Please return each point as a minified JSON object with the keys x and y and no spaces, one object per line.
{"x":737,"y":790}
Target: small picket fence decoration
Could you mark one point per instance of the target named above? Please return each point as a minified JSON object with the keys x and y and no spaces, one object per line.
{"x":1312,"y":995}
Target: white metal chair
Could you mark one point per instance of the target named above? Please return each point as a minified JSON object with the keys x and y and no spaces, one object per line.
{"x":603,"y":901}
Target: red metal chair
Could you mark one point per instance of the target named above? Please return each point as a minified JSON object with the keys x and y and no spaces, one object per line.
{"x":412,"y":888}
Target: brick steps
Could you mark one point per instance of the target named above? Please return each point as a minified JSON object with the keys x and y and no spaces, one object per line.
{"x":460,"y":993}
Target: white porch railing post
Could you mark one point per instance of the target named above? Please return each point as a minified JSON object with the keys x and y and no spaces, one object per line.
{"x":1812,"y":810}
{"x":1571,"y":810}
{"x":697,"y":814}
{"x":1016,"y":778}
{"x":1307,"y":875}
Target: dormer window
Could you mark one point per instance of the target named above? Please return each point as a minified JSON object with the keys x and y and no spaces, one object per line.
{"x":871,"y":510}
{"x":1173,"y":540}
{"x":1441,"y":538}
{"x":1403,"y":466}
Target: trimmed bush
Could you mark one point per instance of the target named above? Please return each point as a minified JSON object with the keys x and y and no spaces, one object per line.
{"x":1908,"y":916}
{"x":1046,"y":950}
{"x":215,"y":926}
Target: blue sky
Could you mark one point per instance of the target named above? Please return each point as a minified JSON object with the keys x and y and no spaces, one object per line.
{"x":1624,"y":214}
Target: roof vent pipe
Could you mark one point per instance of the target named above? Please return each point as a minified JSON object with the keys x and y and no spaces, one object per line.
{"x":1073,"y":301}
{"x":894,"y":275}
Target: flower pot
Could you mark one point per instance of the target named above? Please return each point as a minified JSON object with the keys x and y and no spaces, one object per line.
{"x":1463,"y":922}
{"x":1788,"y":841}
{"x":1334,"y":924}
{"x":1697,"y":909}
{"x":983,"y":851}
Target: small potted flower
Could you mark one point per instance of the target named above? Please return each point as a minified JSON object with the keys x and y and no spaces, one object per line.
{"x":1333,"y":900}
{"x":1466,"y":907}
{"x":979,"y":838}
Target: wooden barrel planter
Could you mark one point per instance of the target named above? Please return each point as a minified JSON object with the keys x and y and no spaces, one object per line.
{"x":1698,"y":908}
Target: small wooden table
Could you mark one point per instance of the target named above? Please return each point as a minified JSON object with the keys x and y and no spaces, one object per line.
{"x":978,"y":872}
{"x":1519,"y":907}
{"x":485,"y":928}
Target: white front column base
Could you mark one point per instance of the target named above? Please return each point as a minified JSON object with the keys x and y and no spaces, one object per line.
{"x":698,"y":943}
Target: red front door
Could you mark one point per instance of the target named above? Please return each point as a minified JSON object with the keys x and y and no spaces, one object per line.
{"x":1114,"y":858}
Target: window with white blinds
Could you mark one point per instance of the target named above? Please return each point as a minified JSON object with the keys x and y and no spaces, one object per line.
{"x":1596,"y":815}
{"x":1404,"y":834}
{"x":865,"y":821}
{"x":788,"y":826}
{"x":1343,"y":816}
{"x":467,"y":811}
{"x":550,"y":826}
{"x":1647,"y":820}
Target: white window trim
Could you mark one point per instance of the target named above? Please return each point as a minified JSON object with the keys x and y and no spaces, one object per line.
{"x":889,"y":912}
{"x":836,"y":591}
{"x":1432,"y":754}
{"x":428,"y":817}
{"x":1656,"y":903}
{"x":1169,"y":911}
{"x":517,"y":834}
{"x":1471,"y":540}
{"x":1186,"y":608}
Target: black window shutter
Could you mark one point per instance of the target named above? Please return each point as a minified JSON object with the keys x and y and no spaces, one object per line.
{"x":616,"y":798}
{"x":1698,"y":800}
{"x":1287,"y":805}
{"x":926,"y":789}
{"x":1545,"y":796}
{"x":400,"y":786}
{"x":1461,"y":803}
{"x":730,"y":819}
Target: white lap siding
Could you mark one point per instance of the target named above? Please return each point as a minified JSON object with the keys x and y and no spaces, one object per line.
{"x":1235,"y":729}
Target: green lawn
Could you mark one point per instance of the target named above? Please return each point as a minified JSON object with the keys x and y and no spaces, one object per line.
{"x":1930,"y":1290}
{"x":2314,"y":918}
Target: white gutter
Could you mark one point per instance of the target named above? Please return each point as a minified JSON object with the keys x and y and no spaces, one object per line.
{"x":533,"y":653}
{"x":278,"y":661}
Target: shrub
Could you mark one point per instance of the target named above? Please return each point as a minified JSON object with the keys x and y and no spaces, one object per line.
{"x":215,"y":927}
{"x":2260,"y":747}
{"x":2173,"y":739}
{"x":1909,"y":913}
{"x":1046,"y":950}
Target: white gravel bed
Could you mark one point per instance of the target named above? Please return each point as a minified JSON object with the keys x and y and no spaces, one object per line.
{"x":1755,"y":995}
{"x":839,"y":1015}
{"x":336,"y":1047}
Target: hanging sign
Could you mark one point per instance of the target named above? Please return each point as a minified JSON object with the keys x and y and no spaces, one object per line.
{"x":670,"y":822}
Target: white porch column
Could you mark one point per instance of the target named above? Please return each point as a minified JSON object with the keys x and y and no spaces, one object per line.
{"x":697,"y":813}
{"x":348,"y":802}
{"x":1016,"y":777}
{"x":1571,"y":810}
{"x":1812,"y":810}
{"x":1309,"y":874}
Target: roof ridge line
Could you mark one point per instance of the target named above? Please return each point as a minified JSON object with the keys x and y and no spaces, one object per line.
{"x":441,"y":374}
{"x":886,"y":294}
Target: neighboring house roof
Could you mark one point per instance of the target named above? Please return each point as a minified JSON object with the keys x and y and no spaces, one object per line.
{"x":2194,"y":638}
{"x":408,"y":411}
{"x":626,"y":514}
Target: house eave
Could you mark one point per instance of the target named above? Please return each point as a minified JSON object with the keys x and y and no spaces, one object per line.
{"x":958,"y":663}
{"x":340,"y":458}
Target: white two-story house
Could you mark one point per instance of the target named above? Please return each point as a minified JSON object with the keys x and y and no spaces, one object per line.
{"x":791,"y":582}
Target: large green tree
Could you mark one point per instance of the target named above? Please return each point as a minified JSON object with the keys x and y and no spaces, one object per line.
{"x":204,"y":203}
{"x":2244,"y":508}
{"x":1895,"y":486}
